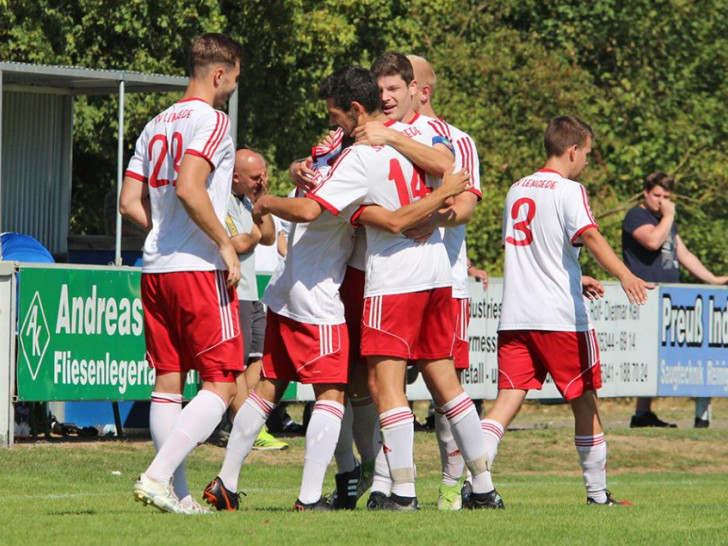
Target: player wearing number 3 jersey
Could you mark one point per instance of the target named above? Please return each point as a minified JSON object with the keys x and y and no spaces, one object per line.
{"x":545,"y":327}
{"x":177,"y":186}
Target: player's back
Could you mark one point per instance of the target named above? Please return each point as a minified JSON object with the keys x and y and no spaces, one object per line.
{"x":543,"y":218}
{"x":175,"y":243}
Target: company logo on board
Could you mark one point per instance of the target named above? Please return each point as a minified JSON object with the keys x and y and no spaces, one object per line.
{"x":34,"y":336}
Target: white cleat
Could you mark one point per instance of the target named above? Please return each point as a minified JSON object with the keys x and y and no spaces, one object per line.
{"x":157,"y":494}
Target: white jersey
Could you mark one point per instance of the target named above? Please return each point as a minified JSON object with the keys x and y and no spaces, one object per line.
{"x":380,"y":175}
{"x":466,"y":157}
{"x":543,"y":219}
{"x":191,"y":126}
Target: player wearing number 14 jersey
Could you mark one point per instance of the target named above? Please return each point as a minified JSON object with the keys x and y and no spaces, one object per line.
{"x":544,"y":326}
{"x":177,"y":186}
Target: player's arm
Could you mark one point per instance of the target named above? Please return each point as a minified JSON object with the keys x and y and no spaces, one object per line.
{"x":293,"y":209}
{"x":591,"y":287}
{"x":302,"y":174}
{"x":246,"y":242}
{"x":405,"y":217}
{"x":435,"y":160}
{"x":653,"y":237}
{"x":282,"y":244}
{"x":460,"y":212}
{"x":693,"y":264}
{"x":191,"y":192}
{"x":633,"y":286}
{"x":134,"y":202}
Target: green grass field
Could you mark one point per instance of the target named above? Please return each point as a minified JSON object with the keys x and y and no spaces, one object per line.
{"x":67,"y":492}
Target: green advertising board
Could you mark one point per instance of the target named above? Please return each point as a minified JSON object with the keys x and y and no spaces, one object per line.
{"x":81,"y":335}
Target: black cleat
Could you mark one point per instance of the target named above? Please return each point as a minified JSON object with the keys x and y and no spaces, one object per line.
{"x":609,"y":502}
{"x":491,"y":500}
{"x":321,"y":505}
{"x":392,"y":503}
{"x":347,"y":485}
{"x":467,"y":490}
{"x":701,"y":423}
{"x":217,"y":495}
{"x":649,"y":419}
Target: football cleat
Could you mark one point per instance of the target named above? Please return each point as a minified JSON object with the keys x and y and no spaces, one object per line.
{"x":491,"y":500}
{"x":267,"y":442}
{"x":347,"y":485}
{"x":192,"y":507}
{"x":321,"y":505}
{"x":157,"y":494}
{"x":611,"y":501}
{"x":392,"y":503}
{"x":217,"y":495}
{"x":466,"y":491}
{"x":449,"y":499}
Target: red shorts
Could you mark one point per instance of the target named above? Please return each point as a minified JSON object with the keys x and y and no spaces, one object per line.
{"x":309,"y":353}
{"x":352,"y":294}
{"x":191,"y":322}
{"x":572,"y":359}
{"x":414,"y":325}
{"x":461,"y":309}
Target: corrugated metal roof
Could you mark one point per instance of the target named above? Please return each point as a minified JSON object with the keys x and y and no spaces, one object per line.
{"x":85,"y":81}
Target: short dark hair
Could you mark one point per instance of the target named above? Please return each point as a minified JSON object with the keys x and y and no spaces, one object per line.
{"x":665,"y":181}
{"x":394,"y":64}
{"x":563,"y":132}
{"x":352,"y":84}
{"x":211,"y":49}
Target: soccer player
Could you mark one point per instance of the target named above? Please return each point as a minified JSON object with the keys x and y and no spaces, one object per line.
{"x":453,"y":219}
{"x":177,"y":186}
{"x":306,"y":337}
{"x":546,"y":219}
{"x":407,"y":292}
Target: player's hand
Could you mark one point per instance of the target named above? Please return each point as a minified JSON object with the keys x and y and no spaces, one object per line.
{"x":373,"y":133}
{"x":591,"y":288}
{"x":455,"y":183}
{"x":259,"y":209}
{"x":260,"y":189}
{"x":328,"y":140}
{"x":230,"y":257}
{"x":302,"y":174}
{"x":422,"y":231}
{"x":480,"y":275}
{"x":667,"y":208}
{"x":721,"y":279}
{"x":636,"y":289}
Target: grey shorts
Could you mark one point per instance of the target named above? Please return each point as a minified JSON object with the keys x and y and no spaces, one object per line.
{"x":252,"y":325}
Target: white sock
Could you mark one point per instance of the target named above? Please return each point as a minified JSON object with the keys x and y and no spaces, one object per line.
{"x":163,"y":412}
{"x":492,"y":434}
{"x":465,"y":426}
{"x":193,"y":426}
{"x":321,"y":436}
{"x":381,"y":480}
{"x":344,"y":454}
{"x":251,"y":417}
{"x":398,"y":434}
{"x":451,"y":460}
{"x":593,"y":457}
{"x":366,"y":428}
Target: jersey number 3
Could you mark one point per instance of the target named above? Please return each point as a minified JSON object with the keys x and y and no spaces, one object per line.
{"x":159,"y":143}
{"x":524,"y":225}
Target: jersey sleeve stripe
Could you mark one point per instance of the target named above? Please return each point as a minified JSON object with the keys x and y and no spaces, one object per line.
{"x":221,"y":127}
{"x":325,"y":204}
{"x":582,"y":230}
{"x":586,"y":205}
{"x":136,"y":176}
{"x":355,"y":217}
{"x":198,"y":154}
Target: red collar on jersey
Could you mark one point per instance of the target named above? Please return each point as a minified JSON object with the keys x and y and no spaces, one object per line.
{"x":193,"y":98}
{"x":390,"y":122}
{"x":550,"y":171}
{"x":414,"y":118}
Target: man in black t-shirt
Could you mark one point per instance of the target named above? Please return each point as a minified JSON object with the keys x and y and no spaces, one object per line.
{"x":653,"y":250}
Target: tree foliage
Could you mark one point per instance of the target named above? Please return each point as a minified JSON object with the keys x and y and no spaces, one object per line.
{"x":648,"y":75}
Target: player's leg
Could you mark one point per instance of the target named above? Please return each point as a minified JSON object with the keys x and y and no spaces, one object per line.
{"x":321,"y":438}
{"x":703,"y":411}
